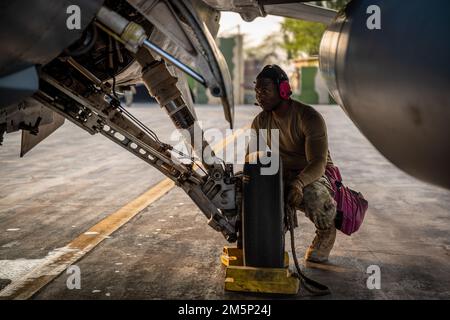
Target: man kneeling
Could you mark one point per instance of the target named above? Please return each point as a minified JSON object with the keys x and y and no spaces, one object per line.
{"x":303,"y":148}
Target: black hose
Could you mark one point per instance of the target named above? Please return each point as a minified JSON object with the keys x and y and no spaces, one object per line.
{"x":310,"y":285}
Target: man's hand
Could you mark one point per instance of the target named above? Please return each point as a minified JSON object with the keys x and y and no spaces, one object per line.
{"x":295,"y":196}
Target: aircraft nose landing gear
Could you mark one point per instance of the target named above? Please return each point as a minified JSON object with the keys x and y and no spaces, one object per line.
{"x":261,"y":264}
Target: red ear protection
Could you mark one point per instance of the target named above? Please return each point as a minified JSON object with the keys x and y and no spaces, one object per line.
{"x":285,"y":90}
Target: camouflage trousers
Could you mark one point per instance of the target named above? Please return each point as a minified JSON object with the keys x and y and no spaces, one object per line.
{"x":318,"y":203}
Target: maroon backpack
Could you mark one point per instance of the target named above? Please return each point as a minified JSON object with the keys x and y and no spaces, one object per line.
{"x":351,"y":205}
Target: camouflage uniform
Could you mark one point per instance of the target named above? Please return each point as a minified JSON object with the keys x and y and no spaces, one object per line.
{"x":318,"y":203}
{"x":303,"y":148}
{"x":319,"y":206}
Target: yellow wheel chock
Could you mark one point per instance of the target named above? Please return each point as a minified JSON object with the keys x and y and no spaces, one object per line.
{"x":241,"y":278}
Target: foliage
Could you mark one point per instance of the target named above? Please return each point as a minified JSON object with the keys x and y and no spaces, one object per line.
{"x":304,"y":36}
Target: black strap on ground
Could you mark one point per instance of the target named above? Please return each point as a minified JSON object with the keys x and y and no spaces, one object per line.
{"x":310,"y":285}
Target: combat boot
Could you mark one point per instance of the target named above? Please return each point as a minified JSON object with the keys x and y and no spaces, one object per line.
{"x":320,"y":249}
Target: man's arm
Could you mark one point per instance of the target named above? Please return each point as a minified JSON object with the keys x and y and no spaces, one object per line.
{"x":316,"y":146}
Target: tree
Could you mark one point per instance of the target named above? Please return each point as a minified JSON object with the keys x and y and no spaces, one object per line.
{"x":301,"y":36}
{"x":304,"y":36}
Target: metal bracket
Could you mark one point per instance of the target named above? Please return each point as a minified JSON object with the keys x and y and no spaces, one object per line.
{"x":95,"y":115}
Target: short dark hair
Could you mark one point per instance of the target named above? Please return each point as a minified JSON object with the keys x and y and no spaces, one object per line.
{"x":274,"y":72}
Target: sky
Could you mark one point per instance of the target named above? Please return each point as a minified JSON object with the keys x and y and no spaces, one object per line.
{"x":254,"y":32}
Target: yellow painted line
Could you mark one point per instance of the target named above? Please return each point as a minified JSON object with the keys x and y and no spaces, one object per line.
{"x":236,"y":132}
{"x":59,"y":260}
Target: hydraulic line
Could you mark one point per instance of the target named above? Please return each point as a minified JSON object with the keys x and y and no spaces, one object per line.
{"x":177,"y":63}
{"x":133,"y":36}
{"x":215,"y":193}
{"x":160,"y":83}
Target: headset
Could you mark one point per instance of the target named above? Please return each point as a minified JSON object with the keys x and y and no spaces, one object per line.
{"x":284,"y":88}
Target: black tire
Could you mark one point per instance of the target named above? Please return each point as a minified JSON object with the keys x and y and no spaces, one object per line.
{"x":263,"y":218}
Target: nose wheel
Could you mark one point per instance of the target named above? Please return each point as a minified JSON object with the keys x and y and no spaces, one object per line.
{"x":261,"y":265}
